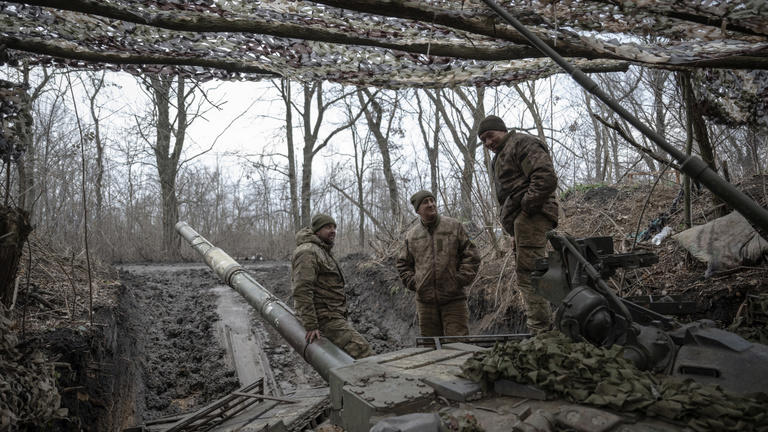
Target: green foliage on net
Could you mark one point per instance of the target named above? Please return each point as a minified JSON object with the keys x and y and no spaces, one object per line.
{"x":583,"y":373}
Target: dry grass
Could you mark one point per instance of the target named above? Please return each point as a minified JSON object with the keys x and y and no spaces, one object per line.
{"x":52,"y":289}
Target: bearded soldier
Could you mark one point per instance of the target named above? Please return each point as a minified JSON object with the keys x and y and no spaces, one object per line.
{"x":438,"y":261}
{"x":318,"y":289}
{"x":525,"y":183}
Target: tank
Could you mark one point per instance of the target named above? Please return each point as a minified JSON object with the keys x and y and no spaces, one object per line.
{"x":420,"y":388}
{"x":427,"y":387}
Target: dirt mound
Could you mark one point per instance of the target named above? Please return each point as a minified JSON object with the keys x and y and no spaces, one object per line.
{"x":385,"y":312}
{"x":93,"y":363}
{"x":624,"y":211}
{"x":379,"y":306}
{"x":495,"y":307}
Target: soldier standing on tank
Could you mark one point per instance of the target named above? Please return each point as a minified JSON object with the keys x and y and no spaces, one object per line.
{"x":318,"y":288}
{"x":438,"y":261}
{"x":525,"y":183}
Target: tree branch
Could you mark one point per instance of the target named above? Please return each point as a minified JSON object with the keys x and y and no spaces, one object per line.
{"x":360,"y":206}
{"x":615,"y":126}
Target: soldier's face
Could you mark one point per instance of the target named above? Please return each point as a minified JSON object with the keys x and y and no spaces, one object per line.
{"x":327,"y":233}
{"x":427,"y":209}
{"x":492,"y":139}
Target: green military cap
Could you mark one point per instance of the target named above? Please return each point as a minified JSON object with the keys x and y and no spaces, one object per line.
{"x":320,"y":220}
{"x":419,"y":196}
{"x":491,"y":122}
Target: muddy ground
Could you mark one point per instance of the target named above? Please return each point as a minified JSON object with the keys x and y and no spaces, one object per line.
{"x":173,"y":321}
{"x":183,"y":362}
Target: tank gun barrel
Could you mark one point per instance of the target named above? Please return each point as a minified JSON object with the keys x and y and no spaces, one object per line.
{"x":322,"y":354}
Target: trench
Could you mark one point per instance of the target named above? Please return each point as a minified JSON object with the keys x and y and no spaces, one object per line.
{"x":196,"y":340}
{"x":177,"y":339}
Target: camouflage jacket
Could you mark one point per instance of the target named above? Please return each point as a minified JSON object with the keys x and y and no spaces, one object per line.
{"x":318,"y":284}
{"x":524,"y":178}
{"x":438,"y":262}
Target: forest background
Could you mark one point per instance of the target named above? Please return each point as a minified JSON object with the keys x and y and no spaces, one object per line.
{"x":123,"y":158}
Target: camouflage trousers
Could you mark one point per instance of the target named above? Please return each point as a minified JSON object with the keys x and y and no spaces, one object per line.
{"x":341,"y":333}
{"x":450,"y":319}
{"x":530,"y":245}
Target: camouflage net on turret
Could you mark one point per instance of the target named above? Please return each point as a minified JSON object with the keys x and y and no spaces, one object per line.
{"x":28,"y":394}
{"x":583,"y":373}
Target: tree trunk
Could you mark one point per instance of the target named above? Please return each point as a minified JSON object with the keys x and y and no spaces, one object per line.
{"x":700,"y":133}
{"x":26,"y":164}
{"x":432,"y":154}
{"x":466,"y":141}
{"x":375,"y":117}
{"x":530,"y":103}
{"x":601,"y":148}
{"x":168,"y":160}
{"x":292,"y":179}
{"x":432,"y":150}
{"x":308,"y":152}
{"x":306,"y":182}
{"x":311,"y":147}
{"x":14,"y":229}
{"x":98,"y":183}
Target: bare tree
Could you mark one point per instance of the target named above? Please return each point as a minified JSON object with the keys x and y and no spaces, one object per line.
{"x":382,"y":129}
{"x":433,"y":148}
{"x":463,"y":132}
{"x":285,"y":93}
{"x":167,"y":147}
{"x":26,"y":165}
{"x":97,"y":83}
{"x":311,"y":126}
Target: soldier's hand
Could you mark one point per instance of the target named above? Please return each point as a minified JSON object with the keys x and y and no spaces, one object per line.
{"x":312,"y":335}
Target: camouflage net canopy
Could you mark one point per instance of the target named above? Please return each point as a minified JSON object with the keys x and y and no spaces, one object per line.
{"x":390,"y":44}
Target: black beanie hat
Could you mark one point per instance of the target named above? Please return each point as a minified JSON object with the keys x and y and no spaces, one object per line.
{"x":320,"y":220}
{"x":419,"y":196}
{"x":491,"y":122}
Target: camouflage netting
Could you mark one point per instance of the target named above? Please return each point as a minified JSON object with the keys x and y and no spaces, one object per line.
{"x":736,"y":97}
{"x":583,"y":373}
{"x":28,"y":394}
{"x":14,"y":120}
{"x":381,"y":43}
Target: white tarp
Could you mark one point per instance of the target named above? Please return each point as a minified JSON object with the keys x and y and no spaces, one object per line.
{"x":726,"y":242}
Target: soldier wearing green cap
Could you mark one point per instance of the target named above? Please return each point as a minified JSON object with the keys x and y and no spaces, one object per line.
{"x":318,"y":288}
{"x":525,"y":183}
{"x":438,"y":262}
